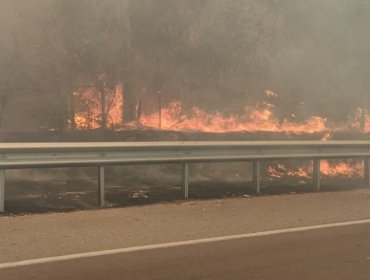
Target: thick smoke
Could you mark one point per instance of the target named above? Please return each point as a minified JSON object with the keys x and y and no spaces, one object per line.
{"x":214,"y":54}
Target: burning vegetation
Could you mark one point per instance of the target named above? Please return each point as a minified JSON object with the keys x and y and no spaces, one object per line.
{"x":189,"y":66}
{"x":329,"y":169}
{"x":90,"y":114}
{"x":94,"y":110}
{"x":172,"y":117}
{"x":184,"y":65}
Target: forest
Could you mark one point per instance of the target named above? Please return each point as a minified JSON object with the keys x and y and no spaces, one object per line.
{"x":110,"y":63}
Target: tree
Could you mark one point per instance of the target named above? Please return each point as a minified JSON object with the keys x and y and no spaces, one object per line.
{"x":13,"y":73}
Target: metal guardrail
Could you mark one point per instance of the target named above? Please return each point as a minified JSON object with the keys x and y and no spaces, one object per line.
{"x":48,"y":155}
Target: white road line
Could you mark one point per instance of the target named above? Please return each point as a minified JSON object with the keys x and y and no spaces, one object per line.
{"x":176,"y":244}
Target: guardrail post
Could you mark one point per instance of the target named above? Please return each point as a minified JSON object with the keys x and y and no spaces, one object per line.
{"x":367,"y":171}
{"x":101,"y":183}
{"x":257,"y":176}
{"x":2,"y":191}
{"x":317,"y":174}
{"x":185,"y":179}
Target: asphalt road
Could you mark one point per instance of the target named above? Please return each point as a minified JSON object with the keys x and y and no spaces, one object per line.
{"x":339,"y":253}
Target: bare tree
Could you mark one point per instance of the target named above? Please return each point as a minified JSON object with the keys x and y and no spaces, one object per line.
{"x":12,"y":75}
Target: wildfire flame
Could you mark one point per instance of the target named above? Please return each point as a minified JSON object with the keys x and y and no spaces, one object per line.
{"x":281,"y":170}
{"x":89,"y":112}
{"x":328,"y":169}
{"x":172,"y":118}
{"x":89,"y":109}
{"x":350,"y":169}
{"x":361,"y":120}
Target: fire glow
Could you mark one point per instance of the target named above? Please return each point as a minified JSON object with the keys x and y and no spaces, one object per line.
{"x":89,"y":112}
{"x":89,"y":109}
{"x":328,"y":169}
{"x":172,"y":117}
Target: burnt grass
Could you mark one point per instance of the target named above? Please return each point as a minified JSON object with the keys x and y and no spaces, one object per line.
{"x":62,"y":196}
{"x":71,"y":193}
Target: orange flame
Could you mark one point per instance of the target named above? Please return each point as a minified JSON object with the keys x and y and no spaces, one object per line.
{"x":357,"y":119}
{"x":351,"y":169}
{"x":88,"y":108}
{"x":329,"y":169}
{"x":281,"y":170}
{"x":172,"y":118}
{"x":88,"y":115}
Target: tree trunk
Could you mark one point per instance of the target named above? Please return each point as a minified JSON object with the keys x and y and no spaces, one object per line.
{"x":129,"y":99}
{"x":3,"y":103}
{"x":129,"y":104}
{"x":71,"y":111}
{"x":62,"y":116}
{"x":159,"y":110}
{"x":61,"y":112}
{"x":2,"y":110}
{"x":363,"y":119}
{"x":103,"y":103}
{"x":138,"y":111}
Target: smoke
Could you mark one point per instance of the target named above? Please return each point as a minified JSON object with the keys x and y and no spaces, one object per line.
{"x":323,"y":56}
{"x":217,"y":55}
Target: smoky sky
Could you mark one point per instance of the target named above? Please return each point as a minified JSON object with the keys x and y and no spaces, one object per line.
{"x":216,"y":54}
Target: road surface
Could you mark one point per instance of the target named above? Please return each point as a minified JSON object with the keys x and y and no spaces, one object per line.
{"x":335,"y":252}
{"x":339,"y":253}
